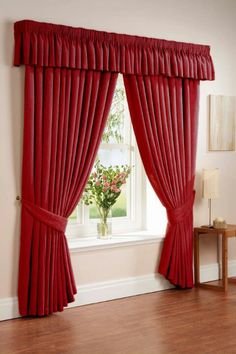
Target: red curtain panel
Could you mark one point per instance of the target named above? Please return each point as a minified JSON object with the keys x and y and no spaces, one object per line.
{"x":65,"y":115}
{"x":69,"y":83}
{"x":164,"y":114}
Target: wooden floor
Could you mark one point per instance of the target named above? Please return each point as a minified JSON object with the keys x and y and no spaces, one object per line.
{"x":173,"y":321}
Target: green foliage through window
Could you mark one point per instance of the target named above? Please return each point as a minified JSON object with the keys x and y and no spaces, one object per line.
{"x":114,"y":130}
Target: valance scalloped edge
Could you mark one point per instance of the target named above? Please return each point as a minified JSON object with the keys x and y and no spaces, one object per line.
{"x":51,"y":45}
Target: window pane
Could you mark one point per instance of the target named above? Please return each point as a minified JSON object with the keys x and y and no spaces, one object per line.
{"x":114,"y":130}
{"x":113,"y":157}
{"x":93,"y":212}
{"x":73,"y":216}
{"x":118,"y":210}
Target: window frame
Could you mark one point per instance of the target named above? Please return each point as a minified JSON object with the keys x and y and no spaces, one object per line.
{"x":136,"y":208}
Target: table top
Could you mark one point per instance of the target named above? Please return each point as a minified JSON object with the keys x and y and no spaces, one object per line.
{"x":230,"y":231}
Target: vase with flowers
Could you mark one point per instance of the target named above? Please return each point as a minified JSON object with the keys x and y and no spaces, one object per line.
{"x":103,"y":189}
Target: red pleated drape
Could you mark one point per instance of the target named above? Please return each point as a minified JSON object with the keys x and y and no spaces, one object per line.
{"x":69,"y":83}
{"x":65,"y":115}
{"x":48,"y":44}
{"x":164,"y":114}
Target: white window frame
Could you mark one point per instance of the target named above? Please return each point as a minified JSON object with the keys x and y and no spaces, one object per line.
{"x":136,"y":213}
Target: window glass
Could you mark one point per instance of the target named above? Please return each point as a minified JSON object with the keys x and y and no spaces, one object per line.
{"x":118,"y":147}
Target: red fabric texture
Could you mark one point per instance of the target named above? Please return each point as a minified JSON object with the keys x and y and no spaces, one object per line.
{"x":57,"y":222}
{"x":69,"y":84}
{"x":45,"y":44}
{"x":65,"y":115}
{"x":164,"y":114}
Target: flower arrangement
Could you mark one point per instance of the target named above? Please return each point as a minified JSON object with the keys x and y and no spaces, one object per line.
{"x":103,"y":188}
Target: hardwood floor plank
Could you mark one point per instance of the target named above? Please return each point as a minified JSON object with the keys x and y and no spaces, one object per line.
{"x":174,"y":321}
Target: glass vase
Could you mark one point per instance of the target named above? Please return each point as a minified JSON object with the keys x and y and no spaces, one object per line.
{"x":104,"y":227}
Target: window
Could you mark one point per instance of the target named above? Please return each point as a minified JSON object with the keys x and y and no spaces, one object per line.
{"x":118,"y":147}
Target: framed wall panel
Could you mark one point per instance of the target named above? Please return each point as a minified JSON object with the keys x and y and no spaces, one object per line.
{"x":222,"y":123}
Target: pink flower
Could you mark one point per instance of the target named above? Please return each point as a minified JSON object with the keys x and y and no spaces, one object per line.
{"x":97,"y":184}
{"x":113,"y":188}
{"x":104,"y":177}
{"x":123,"y":181}
{"x":104,"y":189}
{"x":106,"y":184}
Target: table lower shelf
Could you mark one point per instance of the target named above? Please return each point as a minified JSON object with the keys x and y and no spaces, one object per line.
{"x":215,"y":285}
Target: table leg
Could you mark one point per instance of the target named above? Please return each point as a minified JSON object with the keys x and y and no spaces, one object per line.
{"x":225,"y":262}
{"x":196,"y":259}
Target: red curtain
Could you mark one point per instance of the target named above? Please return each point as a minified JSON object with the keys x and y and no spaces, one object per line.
{"x":69,"y":83}
{"x":65,"y":115}
{"x":164,"y":114}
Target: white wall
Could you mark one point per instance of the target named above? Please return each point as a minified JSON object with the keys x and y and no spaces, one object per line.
{"x":203,"y":21}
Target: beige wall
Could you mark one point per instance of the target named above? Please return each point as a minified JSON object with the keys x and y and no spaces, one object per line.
{"x":115,"y":263}
{"x":203,"y":21}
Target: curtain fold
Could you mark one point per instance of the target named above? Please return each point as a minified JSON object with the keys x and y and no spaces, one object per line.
{"x":65,"y":115}
{"x":164,"y":114}
{"x":70,"y":79}
{"x":46,"y":44}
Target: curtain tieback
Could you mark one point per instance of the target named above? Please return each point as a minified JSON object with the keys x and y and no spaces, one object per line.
{"x":55,"y":221}
{"x":177,"y":215}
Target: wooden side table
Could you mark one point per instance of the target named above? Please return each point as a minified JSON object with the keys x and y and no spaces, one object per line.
{"x":226,"y":233}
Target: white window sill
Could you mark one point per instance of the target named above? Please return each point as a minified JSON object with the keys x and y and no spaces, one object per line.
{"x":92,"y":243}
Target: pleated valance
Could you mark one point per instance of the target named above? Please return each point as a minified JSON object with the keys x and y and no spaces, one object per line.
{"x":44,"y":44}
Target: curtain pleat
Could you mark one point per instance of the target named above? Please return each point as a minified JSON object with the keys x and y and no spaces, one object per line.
{"x":46,"y":44}
{"x":164,"y":114}
{"x":70,"y":79}
{"x":65,"y":114}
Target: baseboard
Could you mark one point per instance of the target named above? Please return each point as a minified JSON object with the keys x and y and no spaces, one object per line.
{"x":212,"y":271}
{"x":9,"y":308}
{"x":98,"y":292}
{"x":117,"y":289}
